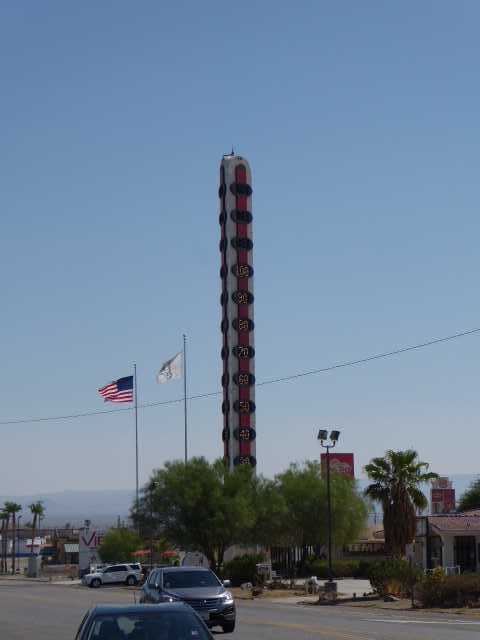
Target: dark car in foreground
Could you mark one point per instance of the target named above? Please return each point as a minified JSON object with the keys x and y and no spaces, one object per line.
{"x":169,"y":621}
{"x":198,"y":587}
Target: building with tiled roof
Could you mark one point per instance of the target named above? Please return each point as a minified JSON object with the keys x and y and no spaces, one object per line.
{"x":450,"y":541}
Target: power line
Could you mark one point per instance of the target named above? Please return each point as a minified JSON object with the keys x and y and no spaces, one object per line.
{"x":303,"y":374}
{"x":378,"y":356}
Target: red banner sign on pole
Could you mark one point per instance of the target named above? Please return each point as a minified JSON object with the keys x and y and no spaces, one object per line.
{"x":342,"y":463}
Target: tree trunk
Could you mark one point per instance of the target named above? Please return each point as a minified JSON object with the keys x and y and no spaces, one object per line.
{"x":303,"y":558}
{"x":220,"y":555}
{"x":215,"y":558}
{"x":14,"y":531}
{"x":34,"y":527}
{"x":3,"y":544}
{"x":210,"y":554}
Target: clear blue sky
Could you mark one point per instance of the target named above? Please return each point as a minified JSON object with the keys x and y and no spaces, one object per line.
{"x":360,"y":121}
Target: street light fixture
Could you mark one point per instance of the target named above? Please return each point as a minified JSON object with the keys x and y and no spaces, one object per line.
{"x":334,"y":437}
{"x":322,"y":435}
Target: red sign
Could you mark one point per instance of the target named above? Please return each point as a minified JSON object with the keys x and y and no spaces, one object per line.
{"x":341,"y":463}
{"x":442,"y":483}
{"x":443,"y":500}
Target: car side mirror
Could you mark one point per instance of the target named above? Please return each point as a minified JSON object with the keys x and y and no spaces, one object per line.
{"x":227,"y":583}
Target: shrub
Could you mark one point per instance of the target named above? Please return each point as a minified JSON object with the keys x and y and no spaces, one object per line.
{"x":439,"y":590}
{"x":363,"y":569}
{"x":242,"y":569}
{"x":395,"y":576}
{"x":340,"y":568}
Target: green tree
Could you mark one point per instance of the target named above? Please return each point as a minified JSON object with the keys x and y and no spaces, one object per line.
{"x":12,"y":508}
{"x":471,"y":498}
{"x":270,"y":508}
{"x":119,"y":545}
{"x":200,"y":506}
{"x":37,"y":510}
{"x":397,"y":480}
{"x":304,"y":521}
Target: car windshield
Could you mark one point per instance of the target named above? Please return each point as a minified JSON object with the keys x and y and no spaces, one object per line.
{"x":189,"y":579}
{"x":167,"y":625}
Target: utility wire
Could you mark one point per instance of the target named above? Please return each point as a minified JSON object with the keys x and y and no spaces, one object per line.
{"x":303,"y":374}
{"x":378,"y":356}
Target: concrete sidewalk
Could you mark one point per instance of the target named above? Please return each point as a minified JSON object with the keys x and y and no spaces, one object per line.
{"x":21,"y":578}
{"x":43,"y":579}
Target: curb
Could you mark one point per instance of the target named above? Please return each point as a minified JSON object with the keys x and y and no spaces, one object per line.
{"x":4,"y":579}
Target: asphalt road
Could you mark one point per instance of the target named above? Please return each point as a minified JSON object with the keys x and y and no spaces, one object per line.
{"x":48,"y":612}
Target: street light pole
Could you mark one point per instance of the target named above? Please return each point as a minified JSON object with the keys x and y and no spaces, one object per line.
{"x":329,"y":507}
{"x":323,"y":437}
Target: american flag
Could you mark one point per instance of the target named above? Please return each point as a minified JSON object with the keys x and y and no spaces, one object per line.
{"x":120,"y":390}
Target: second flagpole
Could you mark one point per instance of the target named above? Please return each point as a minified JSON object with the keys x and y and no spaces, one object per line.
{"x":185,"y":393}
{"x":136,"y":432}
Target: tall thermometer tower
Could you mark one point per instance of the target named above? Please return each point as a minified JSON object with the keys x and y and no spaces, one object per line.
{"x":238,"y":353}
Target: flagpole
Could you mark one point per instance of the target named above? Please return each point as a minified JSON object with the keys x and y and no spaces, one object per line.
{"x":136,"y":433}
{"x":185,"y":392}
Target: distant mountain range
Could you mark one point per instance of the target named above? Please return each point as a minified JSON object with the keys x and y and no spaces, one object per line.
{"x":104,"y":507}
{"x":101,"y":507}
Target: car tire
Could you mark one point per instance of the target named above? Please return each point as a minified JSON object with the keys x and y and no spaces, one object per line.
{"x":131,"y":580}
{"x":95,"y":583}
{"x":228,"y":627}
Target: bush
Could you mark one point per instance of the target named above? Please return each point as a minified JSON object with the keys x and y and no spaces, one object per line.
{"x":363,"y":569}
{"x":395,"y":576}
{"x":439,"y":590}
{"x":340,"y":568}
{"x":242,"y":569}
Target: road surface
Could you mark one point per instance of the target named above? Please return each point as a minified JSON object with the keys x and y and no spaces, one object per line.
{"x":42,"y":611}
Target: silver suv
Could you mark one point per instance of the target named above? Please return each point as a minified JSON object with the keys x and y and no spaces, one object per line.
{"x":198,"y":587}
{"x":114,"y":574}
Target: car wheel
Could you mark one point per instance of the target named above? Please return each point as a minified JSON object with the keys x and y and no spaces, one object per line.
{"x":131,"y":580}
{"x":95,"y":583}
{"x":228,"y":627}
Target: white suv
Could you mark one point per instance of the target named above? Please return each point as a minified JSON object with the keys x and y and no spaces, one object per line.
{"x":114,"y":574}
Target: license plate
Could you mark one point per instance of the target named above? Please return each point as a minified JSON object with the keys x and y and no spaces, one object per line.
{"x":205,"y":615}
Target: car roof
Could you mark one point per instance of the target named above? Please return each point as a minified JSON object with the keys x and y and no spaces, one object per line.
{"x":185,"y":568}
{"x":110,"y":609}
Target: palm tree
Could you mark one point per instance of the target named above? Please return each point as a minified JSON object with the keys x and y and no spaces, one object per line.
{"x":37,"y":510}
{"x":397,"y":478}
{"x":4,"y":518}
{"x":13,"y":508}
